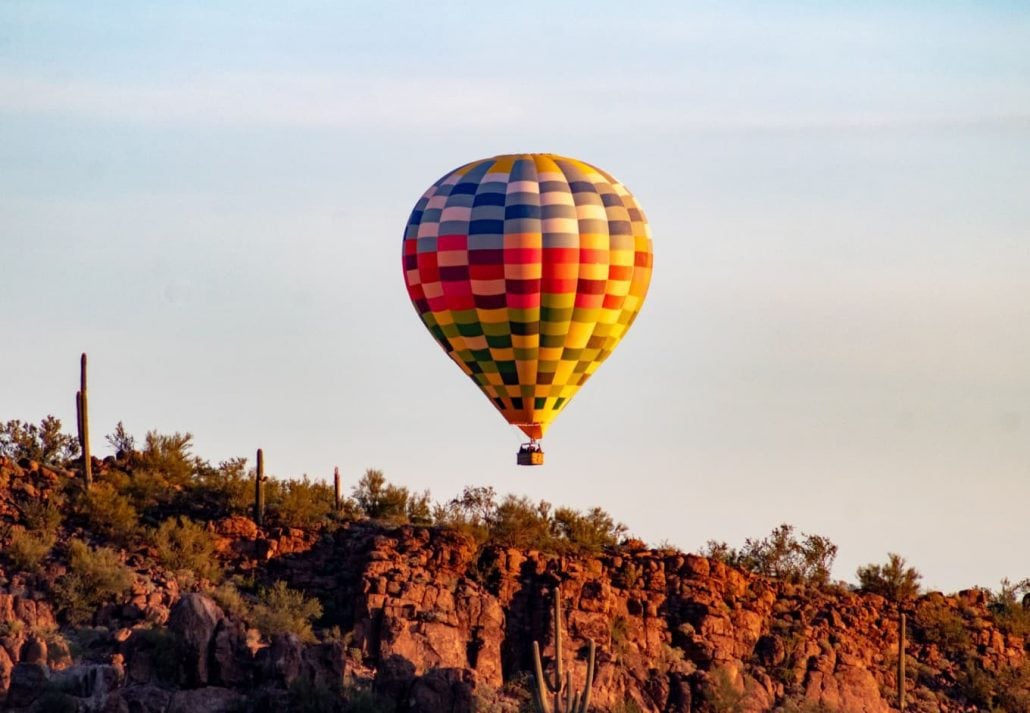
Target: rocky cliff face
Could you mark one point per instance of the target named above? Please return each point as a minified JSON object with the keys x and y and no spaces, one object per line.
{"x":431,"y":623}
{"x":675,"y":632}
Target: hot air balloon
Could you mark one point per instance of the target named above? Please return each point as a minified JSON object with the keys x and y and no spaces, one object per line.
{"x":527,"y":269}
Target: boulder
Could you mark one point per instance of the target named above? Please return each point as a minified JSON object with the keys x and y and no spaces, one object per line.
{"x":194,"y":620}
{"x":91,"y":682}
{"x":231,"y":658}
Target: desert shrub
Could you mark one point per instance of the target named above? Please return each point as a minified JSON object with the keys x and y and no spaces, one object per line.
{"x":94,"y":577}
{"x":120,"y":440}
{"x":44,"y":515}
{"x":110,"y":513}
{"x":721,"y":693}
{"x":282,"y":610}
{"x":892,"y":580}
{"x":43,"y":443}
{"x":1010,"y":607}
{"x":307,"y":696}
{"x":619,"y":632}
{"x":185,"y":545}
{"x":231,"y":600}
{"x":26,"y":549}
{"x":164,"y":470}
{"x":781,"y":555}
{"x":469,"y":513}
{"x":591,"y":531}
{"x":218,"y":491}
{"x":518,"y":522}
{"x":417,"y":511}
{"x":1006,"y":689}
{"x":379,"y":499}
{"x":934,"y":622}
{"x":298,"y":503}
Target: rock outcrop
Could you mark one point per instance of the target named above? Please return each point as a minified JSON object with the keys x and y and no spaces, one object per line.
{"x":421,"y":620}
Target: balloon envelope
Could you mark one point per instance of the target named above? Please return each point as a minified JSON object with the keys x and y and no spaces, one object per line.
{"x":527,"y":269}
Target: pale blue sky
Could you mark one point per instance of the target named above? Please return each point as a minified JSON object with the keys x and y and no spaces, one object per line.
{"x":210,"y":201}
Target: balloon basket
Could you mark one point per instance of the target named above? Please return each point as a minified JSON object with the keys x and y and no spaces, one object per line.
{"x":530,"y":454}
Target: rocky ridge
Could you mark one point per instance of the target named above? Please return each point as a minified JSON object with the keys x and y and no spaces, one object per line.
{"x":419,"y":619}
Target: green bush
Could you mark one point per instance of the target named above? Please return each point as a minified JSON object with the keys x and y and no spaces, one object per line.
{"x":231,"y":600}
{"x":934,"y":622}
{"x":518,"y":522}
{"x":164,"y":470}
{"x":298,"y":503}
{"x":470,"y":513}
{"x":418,"y":511}
{"x":94,"y":577}
{"x":43,"y":443}
{"x":892,"y":580}
{"x":379,"y":499}
{"x":44,"y":515}
{"x":225,"y":490}
{"x":781,"y":555}
{"x":185,"y":545}
{"x":27,"y":549}
{"x":281,"y":610}
{"x":120,"y":440}
{"x":1006,"y":689}
{"x":1010,"y":607}
{"x":619,"y":632}
{"x":110,"y":513}
{"x":588,"y":532}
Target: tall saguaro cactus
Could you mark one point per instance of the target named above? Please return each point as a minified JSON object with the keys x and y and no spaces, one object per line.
{"x":337,"y":501}
{"x":574,"y":701}
{"x":259,"y":489}
{"x":901,"y":662}
{"x":82,"y":415}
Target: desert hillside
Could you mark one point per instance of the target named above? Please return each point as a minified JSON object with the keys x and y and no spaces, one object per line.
{"x":154,"y":590}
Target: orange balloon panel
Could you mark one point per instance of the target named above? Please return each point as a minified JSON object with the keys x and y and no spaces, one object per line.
{"x":527,"y":269}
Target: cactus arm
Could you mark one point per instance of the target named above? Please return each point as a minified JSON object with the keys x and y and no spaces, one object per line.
{"x":901,"y":662}
{"x":557,"y":635}
{"x":87,"y":461}
{"x":540,"y":689}
{"x":259,"y":489}
{"x":584,"y":702}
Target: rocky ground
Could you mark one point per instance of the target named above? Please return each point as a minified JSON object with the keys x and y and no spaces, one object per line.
{"x":420,"y":619}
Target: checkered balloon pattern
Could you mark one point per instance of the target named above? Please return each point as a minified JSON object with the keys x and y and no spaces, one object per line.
{"x":527,"y":269}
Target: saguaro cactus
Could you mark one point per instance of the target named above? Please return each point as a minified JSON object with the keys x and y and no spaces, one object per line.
{"x":336,"y":489}
{"x":574,"y":701}
{"x":82,"y":416}
{"x":901,"y":662}
{"x":259,"y":489}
